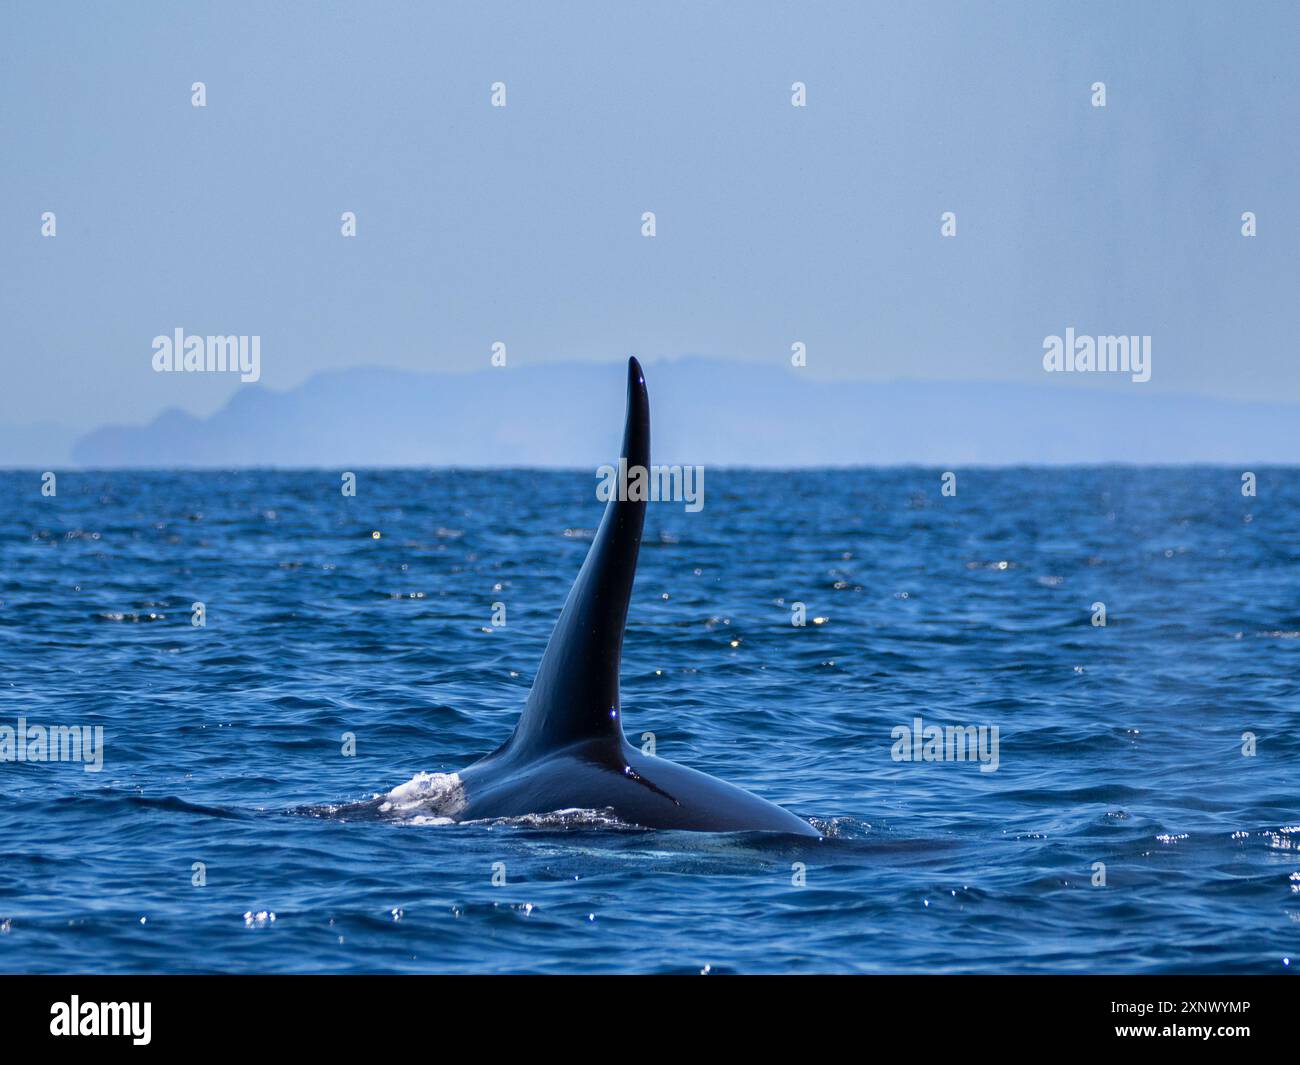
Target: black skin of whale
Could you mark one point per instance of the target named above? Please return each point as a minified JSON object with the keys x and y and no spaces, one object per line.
{"x":568,"y":750}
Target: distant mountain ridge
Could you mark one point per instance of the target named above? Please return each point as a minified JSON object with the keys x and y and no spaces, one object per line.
{"x":704,"y":411}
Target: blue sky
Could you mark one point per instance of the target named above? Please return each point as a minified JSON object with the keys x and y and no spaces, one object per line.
{"x":522,"y":224}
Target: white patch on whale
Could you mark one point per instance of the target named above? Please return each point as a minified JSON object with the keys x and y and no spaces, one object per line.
{"x":439,"y":794}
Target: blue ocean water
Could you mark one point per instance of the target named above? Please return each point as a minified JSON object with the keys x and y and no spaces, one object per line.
{"x":223,"y":744}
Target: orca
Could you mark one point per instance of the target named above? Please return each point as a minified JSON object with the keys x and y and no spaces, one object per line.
{"x":568,"y":751}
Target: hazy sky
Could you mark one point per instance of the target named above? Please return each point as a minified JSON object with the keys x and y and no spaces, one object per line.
{"x":523,"y":224}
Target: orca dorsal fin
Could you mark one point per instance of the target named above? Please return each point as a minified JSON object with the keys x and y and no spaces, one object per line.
{"x":575,"y":692}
